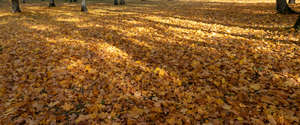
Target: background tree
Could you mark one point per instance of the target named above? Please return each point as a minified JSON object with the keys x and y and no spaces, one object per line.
{"x":83,"y":6}
{"x":292,"y":2}
{"x":52,"y":3}
{"x":297,"y":24}
{"x":23,"y":1}
{"x":15,"y":6}
{"x":283,"y":8}
{"x":122,"y":2}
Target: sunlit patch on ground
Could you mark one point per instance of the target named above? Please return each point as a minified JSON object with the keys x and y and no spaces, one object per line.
{"x":176,"y":62}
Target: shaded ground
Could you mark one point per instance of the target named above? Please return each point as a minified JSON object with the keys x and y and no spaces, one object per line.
{"x":149,"y":62}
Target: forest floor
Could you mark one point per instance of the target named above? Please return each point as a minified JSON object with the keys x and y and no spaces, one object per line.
{"x":149,"y":62}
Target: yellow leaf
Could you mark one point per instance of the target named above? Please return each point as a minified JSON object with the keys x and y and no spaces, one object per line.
{"x":130,"y":122}
{"x":255,"y":86}
{"x":36,"y":50}
{"x":82,"y":118}
{"x":200,"y":110}
{"x":53,"y":104}
{"x":220,"y":101}
{"x":69,"y":67}
{"x":223,"y":81}
{"x":138,"y":77}
{"x":156,"y":109}
{"x":64,"y":83}
{"x":81,"y":77}
{"x":49,"y":74}
{"x":212,"y":67}
{"x":243,"y":61}
{"x":135,"y":112}
{"x":291,"y":83}
{"x":109,"y":36}
{"x":271,"y":120}
{"x":159,"y":71}
{"x":225,"y":106}
{"x":171,"y":121}
{"x":2,"y":90}
{"x":242,"y":105}
{"x":31,"y":76}
{"x":240,"y":118}
{"x":257,"y":121}
{"x":195,"y":64}
{"x":93,"y":115}
{"x":67,"y":106}
{"x":216,"y":83}
{"x":103,"y":115}
{"x":179,"y":82}
{"x":138,"y":62}
{"x":23,"y":78}
{"x":275,"y":76}
{"x":92,"y":71}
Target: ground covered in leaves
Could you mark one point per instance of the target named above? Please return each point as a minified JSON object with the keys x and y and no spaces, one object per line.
{"x":149,"y":62}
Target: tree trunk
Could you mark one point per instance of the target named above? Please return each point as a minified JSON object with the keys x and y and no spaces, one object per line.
{"x":15,"y":6}
{"x":122,"y":2}
{"x":115,"y":2}
{"x":83,"y":6}
{"x":292,"y":2}
{"x":283,"y":8}
{"x":23,"y":1}
{"x":52,"y":3}
{"x":297,"y":24}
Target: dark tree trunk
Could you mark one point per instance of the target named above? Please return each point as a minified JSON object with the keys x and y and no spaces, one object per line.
{"x":283,"y":8}
{"x":52,"y":3}
{"x":122,"y":2}
{"x":292,"y":2}
{"x":116,"y":2}
{"x":297,"y":24}
{"x":15,"y":6}
{"x":83,"y":6}
{"x":74,"y":0}
{"x":23,"y":1}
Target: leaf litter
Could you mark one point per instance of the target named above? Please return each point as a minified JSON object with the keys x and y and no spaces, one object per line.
{"x":153,"y":62}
